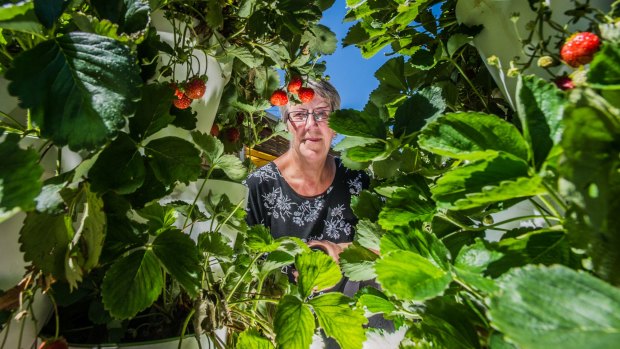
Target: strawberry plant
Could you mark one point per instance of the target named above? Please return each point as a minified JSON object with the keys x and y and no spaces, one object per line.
{"x":108,"y":237}
{"x":493,"y":230}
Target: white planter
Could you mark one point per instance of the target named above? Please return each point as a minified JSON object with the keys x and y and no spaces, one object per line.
{"x":189,"y":342}
{"x":502,"y":38}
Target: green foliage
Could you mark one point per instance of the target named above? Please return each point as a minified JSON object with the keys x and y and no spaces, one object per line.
{"x":19,"y":178}
{"x":540,"y":307}
{"x":57,"y":80}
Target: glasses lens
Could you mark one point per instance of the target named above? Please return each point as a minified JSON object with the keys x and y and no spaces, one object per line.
{"x":299,"y":116}
{"x":321,"y":115}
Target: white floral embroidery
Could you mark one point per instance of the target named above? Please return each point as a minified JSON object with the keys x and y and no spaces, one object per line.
{"x":308,"y":211}
{"x":336,"y":224}
{"x":278,"y":205}
{"x":355,"y":185}
{"x":265,"y":173}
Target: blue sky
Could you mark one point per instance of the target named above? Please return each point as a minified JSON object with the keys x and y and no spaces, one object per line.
{"x":349,"y":72}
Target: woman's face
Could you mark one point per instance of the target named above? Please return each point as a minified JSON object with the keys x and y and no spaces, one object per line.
{"x":311,"y":139}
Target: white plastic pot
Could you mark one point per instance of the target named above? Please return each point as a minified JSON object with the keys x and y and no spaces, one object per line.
{"x":502,"y":37}
{"x":189,"y":342}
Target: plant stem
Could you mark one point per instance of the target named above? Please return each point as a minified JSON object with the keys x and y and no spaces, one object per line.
{"x":256,"y":300}
{"x":242,"y":277}
{"x":17,"y":123}
{"x":6,"y":333}
{"x":184,"y":328}
{"x":56,"y":317}
{"x":191,"y":208}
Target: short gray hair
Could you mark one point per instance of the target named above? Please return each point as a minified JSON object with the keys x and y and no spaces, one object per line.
{"x":324,"y":89}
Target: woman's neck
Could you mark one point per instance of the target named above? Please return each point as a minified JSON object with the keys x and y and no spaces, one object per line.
{"x":308,"y":178}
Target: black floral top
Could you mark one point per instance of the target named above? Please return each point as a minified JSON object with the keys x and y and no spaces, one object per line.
{"x":328,"y":216}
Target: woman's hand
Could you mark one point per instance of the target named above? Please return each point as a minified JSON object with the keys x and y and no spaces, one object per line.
{"x":331,"y":248}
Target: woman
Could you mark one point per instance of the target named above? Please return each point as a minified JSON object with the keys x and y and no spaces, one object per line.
{"x":306,"y":192}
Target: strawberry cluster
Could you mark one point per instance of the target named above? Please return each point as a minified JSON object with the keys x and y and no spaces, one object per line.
{"x":294,"y":87}
{"x":194,"y":88}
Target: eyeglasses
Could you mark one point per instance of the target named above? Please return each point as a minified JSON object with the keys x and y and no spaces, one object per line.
{"x":301,"y":116}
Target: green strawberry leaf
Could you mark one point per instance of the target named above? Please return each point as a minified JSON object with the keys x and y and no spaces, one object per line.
{"x":184,"y":267}
{"x":212,"y":147}
{"x":92,"y":229}
{"x":42,"y":233}
{"x":374,"y":301}
{"x":368,"y":234}
{"x":406,"y":205}
{"x":498,"y":178}
{"x":413,"y":238}
{"x":338,"y":320}
{"x":132,"y":284}
{"x":540,"y":106}
{"x":260,"y":239}
{"x":357,"y":263}
{"x":316,"y":270}
{"x":293,"y":324}
{"x":20,"y":17}
{"x":548,"y":307}
{"x":409,"y":276}
{"x":173,"y":159}
{"x":472,"y":136}
{"x":119,"y":167}
{"x":20,"y":177}
{"x":48,"y":11}
{"x":159,"y":218}
{"x":604,"y":72}
{"x":79,"y":88}
{"x":320,"y":39}
{"x":214,"y":244}
{"x":351,"y":122}
{"x":132,"y":16}
{"x":232,"y":166}
{"x":420,"y":109}
{"x":153,"y":113}
{"x":252,"y":339}
{"x":276,"y":260}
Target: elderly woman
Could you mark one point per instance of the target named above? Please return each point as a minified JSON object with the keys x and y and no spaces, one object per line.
{"x":307,"y":192}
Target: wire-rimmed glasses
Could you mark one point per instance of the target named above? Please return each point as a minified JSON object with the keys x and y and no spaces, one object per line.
{"x":300,"y":116}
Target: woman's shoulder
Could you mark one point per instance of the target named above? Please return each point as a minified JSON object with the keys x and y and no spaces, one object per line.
{"x":265,"y":174}
{"x":356,"y":180}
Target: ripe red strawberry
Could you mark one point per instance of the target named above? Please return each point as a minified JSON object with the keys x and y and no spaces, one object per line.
{"x":215,"y":130}
{"x":579,"y":48}
{"x":564,"y":83}
{"x":232,"y":134}
{"x":59,"y":343}
{"x":182,"y":103}
{"x":196,"y":88}
{"x":306,"y":94}
{"x":177,"y":92}
{"x":295,"y":84}
{"x":278,"y":98}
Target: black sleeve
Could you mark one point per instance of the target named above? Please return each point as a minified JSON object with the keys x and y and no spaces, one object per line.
{"x":255,"y":212}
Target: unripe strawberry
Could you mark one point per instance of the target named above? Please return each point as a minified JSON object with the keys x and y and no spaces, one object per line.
{"x":564,"y":83}
{"x":233,"y":135}
{"x":215,"y":130}
{"x":278,"y":98}
{"x":306,"y":94}
{"x":196,"y":88}
{"x":295,"y":84}
{"x":580,"y":48}
{"x":182,"y":103}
